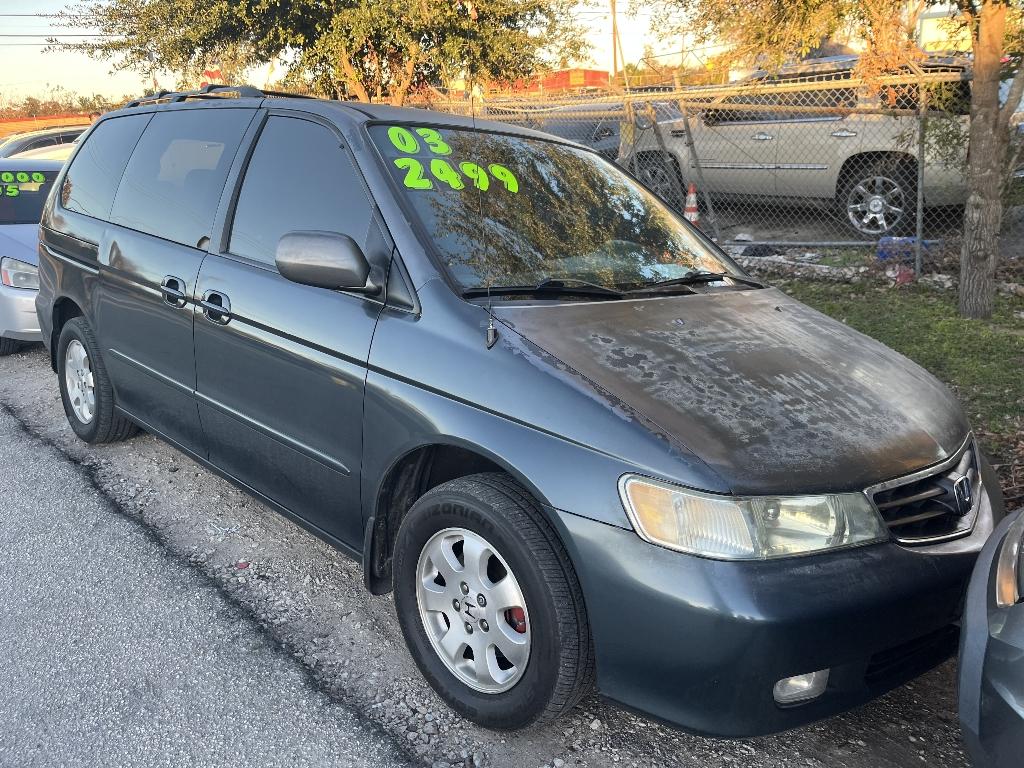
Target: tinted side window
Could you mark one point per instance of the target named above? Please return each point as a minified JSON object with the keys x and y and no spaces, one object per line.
{"x":92,"y":179}
{"x":49,"y":141}
{"x":298,"y":178}
{"x":173,"y":182}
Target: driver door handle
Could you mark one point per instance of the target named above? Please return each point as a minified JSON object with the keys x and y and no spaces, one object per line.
{"x":216,"y":307}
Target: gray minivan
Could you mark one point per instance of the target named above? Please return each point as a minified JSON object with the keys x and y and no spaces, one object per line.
{"x":580,"y":445}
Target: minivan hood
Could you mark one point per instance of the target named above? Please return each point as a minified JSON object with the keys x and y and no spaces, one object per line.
{"x":20,"y":241}
{"x":774,"y":396}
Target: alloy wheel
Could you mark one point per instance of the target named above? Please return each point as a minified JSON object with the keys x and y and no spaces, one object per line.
{"x":473,"y":610}
{"x":79,"y":381}
{"x":876,"y":204}
{"x":658,"y":180}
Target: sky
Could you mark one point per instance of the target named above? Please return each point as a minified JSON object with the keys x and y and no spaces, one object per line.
{"x":26,"y":69}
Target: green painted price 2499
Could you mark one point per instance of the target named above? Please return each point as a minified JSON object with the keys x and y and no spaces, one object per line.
{"x":441,"y":170}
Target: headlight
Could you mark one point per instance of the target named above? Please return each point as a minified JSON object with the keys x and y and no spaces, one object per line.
{"x":18,"y":274}
{"x":1009,"y":574}
{"x":747,"y":528}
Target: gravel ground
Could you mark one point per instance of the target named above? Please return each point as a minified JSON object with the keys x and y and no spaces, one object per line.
{"x":306,"y":600}
{"x":119,"y":653}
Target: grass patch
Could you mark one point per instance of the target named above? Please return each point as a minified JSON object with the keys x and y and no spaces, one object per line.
{"x":982,"y":360}
{"x":848,"y":257}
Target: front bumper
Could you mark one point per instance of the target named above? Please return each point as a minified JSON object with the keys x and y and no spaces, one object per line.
{"x":992,"y":667}
{"x":701,"y":643}
{"x":18,"y":314}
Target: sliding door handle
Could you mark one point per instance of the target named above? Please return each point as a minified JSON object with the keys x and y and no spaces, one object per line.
{"x":173,"y":290}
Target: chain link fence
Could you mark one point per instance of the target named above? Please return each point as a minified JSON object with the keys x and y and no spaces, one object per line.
{"x":810,"y":167}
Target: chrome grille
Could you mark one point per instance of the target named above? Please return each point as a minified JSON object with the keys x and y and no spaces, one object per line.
{"x":935,"y":504}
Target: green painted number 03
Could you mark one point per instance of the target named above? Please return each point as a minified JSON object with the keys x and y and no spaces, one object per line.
{"x":405,"y":141}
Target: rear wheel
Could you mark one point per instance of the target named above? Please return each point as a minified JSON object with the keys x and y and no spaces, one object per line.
{"x":660,"y":173}
{"x":489,"y":603}
{"x":85,"y":387}
{"x":9,"y":346}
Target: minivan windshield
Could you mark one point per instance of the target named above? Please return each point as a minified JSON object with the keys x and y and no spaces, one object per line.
{"x":504,"y":210}
{"x":22,"y":194}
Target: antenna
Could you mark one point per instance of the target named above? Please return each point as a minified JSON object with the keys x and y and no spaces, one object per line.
{"x":492,"y":332}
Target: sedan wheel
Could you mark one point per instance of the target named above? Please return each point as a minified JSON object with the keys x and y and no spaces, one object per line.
{"x":79,"y":381}
{"x":473,"y":610}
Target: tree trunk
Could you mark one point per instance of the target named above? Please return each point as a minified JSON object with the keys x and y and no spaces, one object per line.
{"x":398,"y":97}
{"x":983,"y":213}
{"x":352,"y":77}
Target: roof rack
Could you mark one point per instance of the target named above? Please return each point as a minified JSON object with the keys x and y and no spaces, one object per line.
{"x":211,"y":92}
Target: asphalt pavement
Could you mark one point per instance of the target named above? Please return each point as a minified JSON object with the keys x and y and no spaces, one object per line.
{"x":114,"y":652}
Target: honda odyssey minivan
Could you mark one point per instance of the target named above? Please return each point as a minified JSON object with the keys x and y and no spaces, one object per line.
{"x":577,"y":442}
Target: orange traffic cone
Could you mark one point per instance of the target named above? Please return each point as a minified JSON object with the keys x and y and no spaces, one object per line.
{"x":690,"y":209}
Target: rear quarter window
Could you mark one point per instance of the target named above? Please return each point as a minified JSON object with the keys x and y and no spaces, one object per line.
{"x":91,"y":181}
{"x":173,"y":182}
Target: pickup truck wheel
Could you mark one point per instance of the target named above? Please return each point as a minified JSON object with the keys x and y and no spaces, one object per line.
{"x":9,"y":346}
{"x":880,"y":198}
{"x":489,"y":604}
{"x":85,"y":387}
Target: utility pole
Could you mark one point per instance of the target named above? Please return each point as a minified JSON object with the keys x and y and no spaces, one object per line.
{"x":615,"y":41}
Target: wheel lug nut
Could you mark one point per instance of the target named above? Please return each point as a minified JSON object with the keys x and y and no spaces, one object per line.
{"x":483,"y":625}
{"x":481,"y":600}
{"x":469,"y":628}
{"x":464,"y":587}
{"x":456,"y":605}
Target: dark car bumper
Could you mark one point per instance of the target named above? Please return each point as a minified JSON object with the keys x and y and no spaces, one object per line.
{"x":701,"y":643}
{"x":992,"y":667}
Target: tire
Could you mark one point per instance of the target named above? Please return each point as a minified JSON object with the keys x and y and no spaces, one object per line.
{"x":558,"y":667}
{"x":880,"y":183}
{"x":9,"y":346}
{"x":660,"y":174}
{"x":105,"y":424}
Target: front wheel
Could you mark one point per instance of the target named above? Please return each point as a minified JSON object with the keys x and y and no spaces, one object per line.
{"x":880,"y":198}
{"x":489,"y":604}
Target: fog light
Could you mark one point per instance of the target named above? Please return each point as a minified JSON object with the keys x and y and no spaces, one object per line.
{"x":793,"y":690}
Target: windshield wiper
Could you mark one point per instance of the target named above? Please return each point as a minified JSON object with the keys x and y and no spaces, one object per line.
{"x":695,"y":278}
{"x":551,"y":286}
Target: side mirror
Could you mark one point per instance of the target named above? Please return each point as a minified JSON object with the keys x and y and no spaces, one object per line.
{"x":324,"y":260}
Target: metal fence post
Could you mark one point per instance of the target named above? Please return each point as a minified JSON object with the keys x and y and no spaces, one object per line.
{"x":674,"y":180}
{"x":921,"y":125}
{"x":692,"y":150}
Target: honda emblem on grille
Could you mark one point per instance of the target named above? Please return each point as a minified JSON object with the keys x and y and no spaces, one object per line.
{"x":962,"y":493}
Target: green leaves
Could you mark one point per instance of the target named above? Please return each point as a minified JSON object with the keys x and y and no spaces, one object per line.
{"x":372,"y":49}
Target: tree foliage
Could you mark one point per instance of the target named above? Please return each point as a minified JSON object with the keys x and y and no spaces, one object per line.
{"x":770,"y":33}
{"x":369,"y":49}
{"x":57,"y":101}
